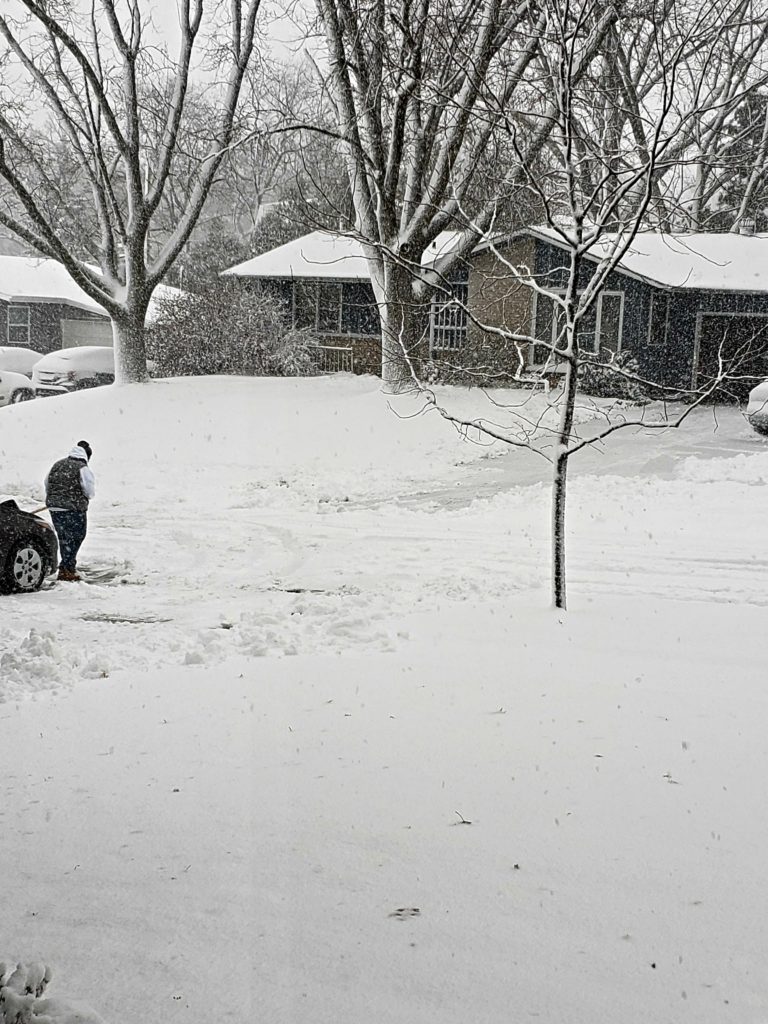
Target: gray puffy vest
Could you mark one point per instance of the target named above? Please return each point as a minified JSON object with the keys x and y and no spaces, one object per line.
{"x":64,"y":488}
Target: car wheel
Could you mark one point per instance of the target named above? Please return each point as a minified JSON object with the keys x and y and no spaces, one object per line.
{"x":22,"y":396}
{"x":25,"y":568}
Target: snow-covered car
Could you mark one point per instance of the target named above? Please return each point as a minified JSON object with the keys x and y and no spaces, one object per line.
{"x":16,"y":359}
{"x":15,"y":387}
{"x":29,"y":550}
{"x":757,"y":410}
{"x":72,"y":369}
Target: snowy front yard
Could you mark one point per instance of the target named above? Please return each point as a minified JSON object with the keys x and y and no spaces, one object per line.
{"x":449,"y":804}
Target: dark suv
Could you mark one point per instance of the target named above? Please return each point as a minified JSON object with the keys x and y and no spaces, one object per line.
{"x":28,"y":549}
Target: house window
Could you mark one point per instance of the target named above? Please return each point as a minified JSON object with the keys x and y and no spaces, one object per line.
{"x":335,"y":307}
{"x":599,"y":328}
{"x":18,"y":325}
{"x":659,"y":325}
{"x":547,"y":325}
{"x":359,"y":312}
{"x":305,"y":304}
{"x":448,"y":319}
{"x":610,"y":314}
{"x":329,"y":307}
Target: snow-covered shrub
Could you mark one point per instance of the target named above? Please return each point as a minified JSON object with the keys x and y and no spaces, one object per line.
{"x":227,"y":329}
{"x":436,"y":371}
{"x":615,"y":380}
{"x":22,"y":1001}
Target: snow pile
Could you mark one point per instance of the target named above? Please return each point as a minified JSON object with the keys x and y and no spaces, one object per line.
{"x":21,"y":998}
{"x":751,"y":470}
{"x":31,"y":663}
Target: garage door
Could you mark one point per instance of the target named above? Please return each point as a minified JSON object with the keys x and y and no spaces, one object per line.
{"x":85,"y":332}
{"x":742,"y":344}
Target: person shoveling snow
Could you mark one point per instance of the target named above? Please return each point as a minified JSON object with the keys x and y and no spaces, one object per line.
{"x":69,"y":487}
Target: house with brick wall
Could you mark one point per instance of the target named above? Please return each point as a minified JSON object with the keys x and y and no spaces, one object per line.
{"x":673,"y":302}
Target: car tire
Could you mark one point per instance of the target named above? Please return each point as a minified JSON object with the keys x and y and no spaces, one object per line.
{"x":22,"y":395}
{"x":25,"y":568}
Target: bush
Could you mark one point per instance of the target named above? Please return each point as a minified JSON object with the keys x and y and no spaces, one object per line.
{"x":606,"y":382}
{"x":226,"y":329}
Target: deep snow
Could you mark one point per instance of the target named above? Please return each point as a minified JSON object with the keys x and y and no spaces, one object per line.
{"x":196,"y":824}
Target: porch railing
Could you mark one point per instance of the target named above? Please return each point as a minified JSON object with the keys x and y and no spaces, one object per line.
{"x":333,"y":358}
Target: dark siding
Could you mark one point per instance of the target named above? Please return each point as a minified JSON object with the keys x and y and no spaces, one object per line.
{"x":673,"y":363}
{"x":44,"y":323}
{"x":552,"y":272}
{"x":670,"y":363}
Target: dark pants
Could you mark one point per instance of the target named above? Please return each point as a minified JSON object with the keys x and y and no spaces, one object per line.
{"x":70,"y":528}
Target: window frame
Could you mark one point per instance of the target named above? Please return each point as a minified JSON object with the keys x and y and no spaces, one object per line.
{"x":597,"y":307}
{"x":599,"y":320}
{"x":312,"y":287}
{"x":658,"y":345}
{"x":16,"y":306}
{"x":457,"y":303}
{"x":357,"y":282}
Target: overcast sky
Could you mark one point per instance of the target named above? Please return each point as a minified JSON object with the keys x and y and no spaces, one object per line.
{"x":282,"y":32}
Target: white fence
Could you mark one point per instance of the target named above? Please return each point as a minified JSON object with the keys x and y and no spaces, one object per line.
{"x":334,"y":358}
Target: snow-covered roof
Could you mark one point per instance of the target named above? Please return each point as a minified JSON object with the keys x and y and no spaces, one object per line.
{"x":323,"y":254}
{"x":721,"y":262}
{"x":726,"y":262}
{"x":37,"y":279}
{"x":318,"y":254}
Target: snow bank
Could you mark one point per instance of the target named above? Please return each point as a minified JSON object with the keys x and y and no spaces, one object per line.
{"x":195,"y":479}
{"x":742,"y":469}
{"x":272,"y":517}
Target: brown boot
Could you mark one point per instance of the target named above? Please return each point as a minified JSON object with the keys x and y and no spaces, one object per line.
{"x":68,"y":576}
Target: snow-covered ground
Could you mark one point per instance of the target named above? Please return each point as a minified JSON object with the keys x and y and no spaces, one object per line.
{"x":449,"y":803}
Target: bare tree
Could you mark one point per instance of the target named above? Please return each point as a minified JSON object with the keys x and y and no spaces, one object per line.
{"x":275,"y":182}
{"x":90,"y":71}
{"x":419,"y":91}
{"x":718,"y":53}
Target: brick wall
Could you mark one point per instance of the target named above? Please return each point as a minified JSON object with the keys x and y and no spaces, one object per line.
{"x":496,"y":299}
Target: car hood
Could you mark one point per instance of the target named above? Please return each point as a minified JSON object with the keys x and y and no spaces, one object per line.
{"x":10,"y":379}
{"x":84,"y":361}
{"x":758,"y":399}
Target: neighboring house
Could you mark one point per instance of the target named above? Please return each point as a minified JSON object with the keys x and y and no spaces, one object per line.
{"x":42,"y":308}
{"x":672,"y":301}
{"x":324,"y":283}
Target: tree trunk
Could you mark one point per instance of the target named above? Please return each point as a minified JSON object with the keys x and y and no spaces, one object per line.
{"x":403,"y":329}
{"x":130,"y":349}
{"x":559,"y":482}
